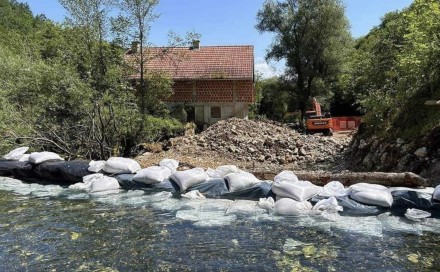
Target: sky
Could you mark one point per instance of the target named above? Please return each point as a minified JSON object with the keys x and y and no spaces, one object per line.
{"x":232,"y":22}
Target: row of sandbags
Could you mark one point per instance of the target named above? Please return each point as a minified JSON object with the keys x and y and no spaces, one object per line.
{"x":286,"y":194}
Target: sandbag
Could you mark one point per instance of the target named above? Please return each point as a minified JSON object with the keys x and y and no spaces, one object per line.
{"x":329,"y":205}
{"x":61,"y":172}
{"x":352,"y":207}
{"x":118,"y":165}
{"x":96,"y":183}
{"x":255,"y":192}
{"x":297,"y":190}
{"x":170,"y":163}
{"x":16,"y":154}
{"x":416,"y":215}
{"x":73,"y":171}
{"x":165,"y":185}
{"x":403,"y":200}
{"x":127,"y":183}
{"x":104,"y":183}
{"x":372,"y":194}
{"x":96,"y":166}
{"x":334,"y":188}
{"x":40,"y":157}
{"x":266,"y":203}
{"x":436,"y":194}
{"x":211,"y":188}
{"x":186,"y":179}
{"x":286,"y":176}
{"x":240,"y":181}
{"x":25,"y":158}
{"x":222,"y":171}
{"x":288,"y":206}
{"x":193,"y":195}
{"x":153,"y":174}
{"x":10,"y":168}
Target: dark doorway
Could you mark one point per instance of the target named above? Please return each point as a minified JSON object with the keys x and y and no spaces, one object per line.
{"x":190,"y":114}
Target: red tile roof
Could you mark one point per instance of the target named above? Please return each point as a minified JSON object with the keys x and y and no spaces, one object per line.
{"x":207,"y":62}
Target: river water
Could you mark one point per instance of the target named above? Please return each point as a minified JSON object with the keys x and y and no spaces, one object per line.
{"x":51,"y":228}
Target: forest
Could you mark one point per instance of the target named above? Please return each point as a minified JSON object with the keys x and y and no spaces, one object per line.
{"x":63,"y":86}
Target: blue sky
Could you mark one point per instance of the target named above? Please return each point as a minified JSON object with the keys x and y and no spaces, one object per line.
{"x":231,"y":22}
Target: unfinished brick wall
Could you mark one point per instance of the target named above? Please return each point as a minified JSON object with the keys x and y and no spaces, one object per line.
{"x":243,"y":91}
{"x":205,"y":91}
{"x":214,"y":91}
{"x":183,"y":92}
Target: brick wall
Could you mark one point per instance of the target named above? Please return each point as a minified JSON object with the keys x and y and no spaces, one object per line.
{"x":243,"y":91}
{"x":206,"y":91}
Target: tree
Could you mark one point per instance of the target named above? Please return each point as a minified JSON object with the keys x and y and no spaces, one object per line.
{"x":139,"y":14}
{"x":311,"y":35}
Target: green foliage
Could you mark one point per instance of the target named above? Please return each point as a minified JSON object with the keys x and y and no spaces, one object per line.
{"x":62,"y":88}
{"x":396,"y":68}
{"x":159,"y":87}
{"x":276,"y":98}
{"x":312,"y":36}
{"x":179,"y":113}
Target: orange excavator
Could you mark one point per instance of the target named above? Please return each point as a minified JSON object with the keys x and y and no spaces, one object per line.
{"x":316,"y":122}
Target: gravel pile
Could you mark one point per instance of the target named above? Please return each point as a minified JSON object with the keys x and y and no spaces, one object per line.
{"x":262,"y":142}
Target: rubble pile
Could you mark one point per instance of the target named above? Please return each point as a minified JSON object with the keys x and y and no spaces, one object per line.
{"x":263,"y":142}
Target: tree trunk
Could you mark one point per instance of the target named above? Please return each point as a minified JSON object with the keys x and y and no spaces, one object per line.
{"x":407,"y":179}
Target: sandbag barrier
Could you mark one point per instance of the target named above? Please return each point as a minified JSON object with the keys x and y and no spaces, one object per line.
{"x":286,"y":195}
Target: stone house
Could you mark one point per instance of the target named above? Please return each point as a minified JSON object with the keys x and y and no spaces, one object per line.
{"x":212,"y":82}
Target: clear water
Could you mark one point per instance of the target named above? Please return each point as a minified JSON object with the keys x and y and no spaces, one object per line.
{"x":50,"y":228}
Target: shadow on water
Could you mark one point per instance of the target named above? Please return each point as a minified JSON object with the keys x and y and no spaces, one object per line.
{"x":60,"y":233}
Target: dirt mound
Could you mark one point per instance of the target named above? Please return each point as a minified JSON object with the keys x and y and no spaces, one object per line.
{"x":256,"y":144}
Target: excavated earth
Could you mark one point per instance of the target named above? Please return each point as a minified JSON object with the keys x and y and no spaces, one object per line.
{"x":255,"y":146}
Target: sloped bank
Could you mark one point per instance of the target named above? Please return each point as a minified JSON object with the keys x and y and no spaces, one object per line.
{"x":420,"y":156}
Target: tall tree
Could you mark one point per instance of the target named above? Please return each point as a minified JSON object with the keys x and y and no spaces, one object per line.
{"x":311,"y":35}
{"x":138,"y":15}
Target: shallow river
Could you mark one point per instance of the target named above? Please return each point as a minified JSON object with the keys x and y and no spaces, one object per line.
{"x":50,"y":228}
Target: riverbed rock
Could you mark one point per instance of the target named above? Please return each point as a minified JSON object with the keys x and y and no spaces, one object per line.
{"x":421,"y":152}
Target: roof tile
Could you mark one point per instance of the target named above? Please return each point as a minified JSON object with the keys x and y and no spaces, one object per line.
{"x":208,"y":62}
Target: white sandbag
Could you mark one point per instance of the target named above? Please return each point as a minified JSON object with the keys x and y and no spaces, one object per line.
{"x":288,"y":206}
{"x":170,"y":163}
{"x":371,"y":194}
{"x":96,"y":166}
{"x":286,"y":176}
{"x":118,"y":165}
{"x":436,"y":194}
{"x":426,"y":190}
{"x":194,"y":195}
{"x":152,"y":174}
{"x":240,"y":181}
{"x":86,"y":185}
{"x":222,"y":171}
{"x":416,"y":215}
{"x":266,"y":203}
{"x":97,"y":183}
{"x":334,"y":188}
{"x":188,"y":178}
{"x":297,"y":190}
{"x":24,"y":158}
{"x":329,"y":205}
{"x":16,"y":154}
{"x":90,"y":178}
{"x":104,"y":183}
{"x":80,"y":186}
{"x":40,"y":157}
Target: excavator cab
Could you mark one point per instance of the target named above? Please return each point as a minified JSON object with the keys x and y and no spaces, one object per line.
{"x":316,"y":122}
